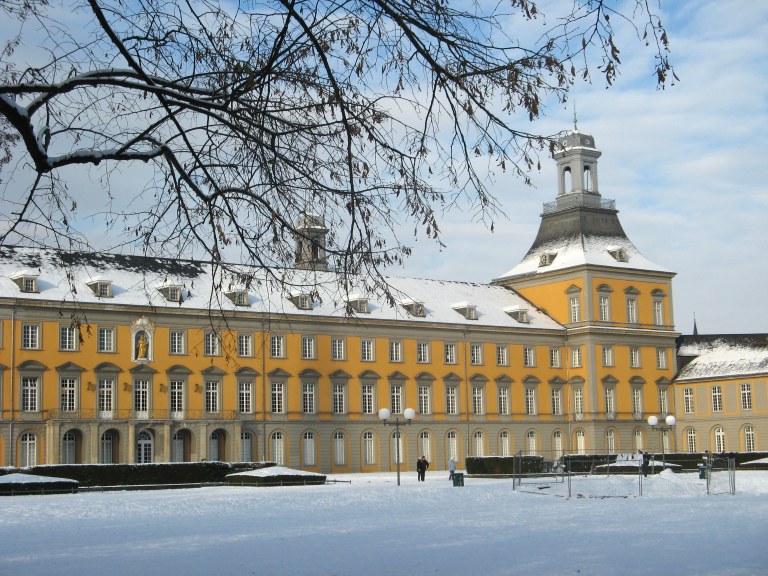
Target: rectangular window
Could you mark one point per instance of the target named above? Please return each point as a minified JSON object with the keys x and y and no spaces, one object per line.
{"x":30,"y":336}
{"x":29,"y":390}
{"x":424,"y":400}
{"x":68,"y":394}
{"x":578,"y":402}
{"x":576,"y":357}
{"x":245,"y":345}
{"x":106,"y":340}
{"x":277,"y":346}
{"x":661,"y":359}
{"x":211,"y":344}
{"x":529,"y":356}
{"x":211,"y":396}
{"x":451,"y":400}
{"x":610,"y":406}
{"x":308,"y":397}
{"x":245,"y":396}
{"x":339,"y":397}
{"x":308,"y":347}
{"x":422,"y":352}
{"x":476,"y":354}
{"x":177,"y":398}
{"x":478,"y":400}
{"x":396,"y":398}
{"x":607,"y":355}
{"x":502,"y":356}
{"x":663,"y":401}
{"x":278,"y":397}
{"x":557,"y":401}
{"x":504,"y":401}
{"x":637,"y":402}
{"x":450,"y":353}
{"x":367,"y":400}
{"x":717,"y":398}
{"x":658,"y":312}
{"x":366,"y":350}
{"x":177,"y":342}
{"x":746,"y":396}
{"x":105,"y":400}
{"x":632,"y":310}
{"x":634,"y":357}
{"x":575,"y":309}
{"x":688,"y":402}
{"x":395,"y":350}
{"x":530,"y":401}
{"x":605,"y":309}
{"x":338,"y":349}
{"x":141,"y":399}
{"x":67,"y":337}
{"x":554,"y":357}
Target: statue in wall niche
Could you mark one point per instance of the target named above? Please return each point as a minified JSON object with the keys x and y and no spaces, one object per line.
{"x":142,"y":346}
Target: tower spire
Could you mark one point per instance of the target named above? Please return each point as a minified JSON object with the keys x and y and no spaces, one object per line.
{"x":575,"y":124}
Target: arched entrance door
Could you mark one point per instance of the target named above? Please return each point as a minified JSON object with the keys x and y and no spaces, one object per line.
{"x":144,"y":447}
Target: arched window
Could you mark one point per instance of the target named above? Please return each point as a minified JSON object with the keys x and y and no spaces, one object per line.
{"x":106,"y":448}
{"x":749,"y":439}
{"x":639,"y":440}
{"x":369,"y":448}
{"x":610,"y":441}
{"x":278,"y":448}
{"x":557,"y":445}
{"x":339,"y":449}
{"x":453,"y":445}
{"x":397,"y":447}
{"x":690,"y":440}
{"x":479,"y":443}
{"x":530,"y":441}
{"x":69,"y":448}
{"x":144,"y":448}
{"x":309,"y":448}
{"x":28,"y":449}
{"x":425,"y":445}
{"x":719,"y":440}
{"x":581,"y":442}
{"x":504,"y":449}
{"x":246,"y":447}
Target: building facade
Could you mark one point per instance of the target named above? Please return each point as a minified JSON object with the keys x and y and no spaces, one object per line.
{"x":122,"y":359}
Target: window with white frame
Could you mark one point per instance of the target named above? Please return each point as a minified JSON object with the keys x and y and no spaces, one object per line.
{"x":717,"y":398}
{"x":557,"y":401}
{"x":504,"y":444}
{"x":453,"y":445}
{"x":422,"y":352}
{"x":425,"y":445}
{"x":578,"y":402}
{"x":245,"y":396}
{"x":610,"y":401}
{"x":634,"y":357}
{"x":663,"y":401}
{"x":688,"y":401}
{"x":367,"y":399}
{"x":106,"y":339}
{"x":105,"y":400}
{"x":478,"y":400}
{"x":530,"y":401}
{"x":638,"y":440}
{"x":661,"y":358}
{"x":177,"y":342}
{"x":211,"y":344}
{"x":581,"y":442}
{"x":28,"y":449}
{"x":749,"y":439}
{"x":476,"y":354}
{"x":68,"y":391}
{"x":576,"y":357}
{"x":425,"y":395}
{"x":396,"y":398}
{"x":176,"y":398}
{"x":605,"y":308}
{"x":529,"y":356}
{"x":367,"y":350}
{"x":503,"y":400}
{"x":30,"y":388}
{"x":451,"y":400}
{"x":632,"y":310}
{"x":395,"y":350}
{"x":308,"y":397}
{"x":339,"y":393}
{"x":338,"y":349}
{"x":690,"y":439}
{"x":68,"y":337}
{"x":68,"y":453}
{"x":554,"y":357}
{"x":212,"y":396}
{"x":557,"y":444}
{"x":479,"y":442}
{"x":309,"y":448}
{"x":245,"y":344}
{"x":30,"y":336}
{"x":530,"y":442}
{"x":308,"y":347}
{"x":278,"y":448}
{"x":339,"y":448}
{"x":397,"y":447}
{"x":746,"y":396}
{"x":574,"y":306}
{"x":719,"y":440}
{"x":502,"y":355}
{"x":278,"y":397}
{"x":637,"y":402}
{"x":369,"y":448}
{"x":450,"y":353}
{"x":610,"y":441}
{"x":277,"y":346}
{"x":607,"y":355}
{"x":141,"y":399}
{"x":658,"y":312}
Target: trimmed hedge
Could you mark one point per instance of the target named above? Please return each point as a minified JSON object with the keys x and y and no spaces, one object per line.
{"x":504,"y":465}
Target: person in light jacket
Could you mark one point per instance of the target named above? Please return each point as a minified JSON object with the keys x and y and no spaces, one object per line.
{"x":451,"y":468}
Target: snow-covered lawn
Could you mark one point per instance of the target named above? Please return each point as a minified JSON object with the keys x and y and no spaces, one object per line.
{"x":373,"y":527}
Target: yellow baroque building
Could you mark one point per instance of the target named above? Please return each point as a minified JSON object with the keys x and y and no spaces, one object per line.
{"x":125,"y":359}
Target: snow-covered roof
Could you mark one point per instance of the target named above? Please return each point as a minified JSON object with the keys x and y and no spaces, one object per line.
{"x":722,"y":356}
{"x":135,"y":280}
{"x":271,"y":471}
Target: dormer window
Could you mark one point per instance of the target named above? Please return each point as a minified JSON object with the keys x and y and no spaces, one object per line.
{"x":619,"y":254}
{"x":414,"y":308}
{"x":101,"y":288}
{"x":547,"y":258}
{"x":172,"y":293}
{"x":302,"y":300}
{"x":25,"y":281}
{"x":238,"y":297}
{"x":469,"y":311}
{"x":518,"y":313}
{"x":358,"y":304}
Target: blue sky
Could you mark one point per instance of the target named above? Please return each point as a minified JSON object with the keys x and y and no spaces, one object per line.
{"x":686,"y":166}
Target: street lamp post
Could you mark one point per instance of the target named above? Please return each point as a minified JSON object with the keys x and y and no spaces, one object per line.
{"x":669,"y":422}
{"x":408,"y":415}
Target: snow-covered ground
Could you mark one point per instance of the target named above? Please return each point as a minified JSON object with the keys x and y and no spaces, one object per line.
{"x":373,"y":527}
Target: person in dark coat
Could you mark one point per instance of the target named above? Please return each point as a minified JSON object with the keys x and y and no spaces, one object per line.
{"x":646,"y":463}
{"x":421,"y":468}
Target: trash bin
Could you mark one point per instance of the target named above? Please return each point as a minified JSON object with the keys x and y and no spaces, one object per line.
{"x":702,"y":472}
{"x":458,"y":479}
